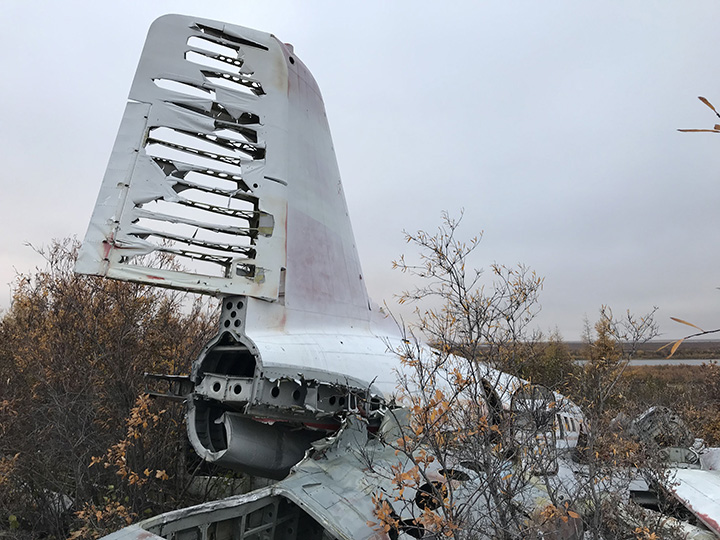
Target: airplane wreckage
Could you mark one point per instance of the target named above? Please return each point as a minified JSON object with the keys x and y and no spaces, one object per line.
{"x":224,"y":160}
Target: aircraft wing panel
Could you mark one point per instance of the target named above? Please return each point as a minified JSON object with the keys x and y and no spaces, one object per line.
{"x":699,"y":491}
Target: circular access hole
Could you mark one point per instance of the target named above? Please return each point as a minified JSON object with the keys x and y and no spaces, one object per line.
{"x":216,"y":387}
{"x":275,"y":392}
{"x":341,"y":401}
{"x":228,"y":305}
{"x":296,"y":395}
{"x":332,"y":400}
{"x":240,"y":304}
{"x":430,"y":495}
{"x":237,"y":389}
{"x":236,"y":323}
{"x":226,"y":324}
{"x":233,"y":314}
{"x":292,"y":60}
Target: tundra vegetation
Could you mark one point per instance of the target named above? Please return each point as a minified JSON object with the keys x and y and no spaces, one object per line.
{"x":478,"y":323}
{"x":84,"y":451}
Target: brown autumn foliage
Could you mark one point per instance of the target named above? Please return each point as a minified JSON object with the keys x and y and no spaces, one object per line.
{"x":82,"y":451}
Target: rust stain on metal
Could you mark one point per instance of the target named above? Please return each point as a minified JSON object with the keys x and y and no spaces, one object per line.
{"x":710,"y":522}
{"x":705,"y":518}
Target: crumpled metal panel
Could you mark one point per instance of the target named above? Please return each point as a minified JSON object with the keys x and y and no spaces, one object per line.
{"x":224,"y":160}
{"x":334,"y":486}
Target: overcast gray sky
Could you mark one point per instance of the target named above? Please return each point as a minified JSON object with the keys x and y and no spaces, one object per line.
{"x":553,"y":124}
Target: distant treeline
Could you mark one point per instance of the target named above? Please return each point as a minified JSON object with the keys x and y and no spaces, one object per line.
{"x":700,"y":349}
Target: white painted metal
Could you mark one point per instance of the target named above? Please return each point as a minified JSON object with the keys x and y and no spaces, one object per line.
{"x":335,"y":485}
{"x":307,"y":306}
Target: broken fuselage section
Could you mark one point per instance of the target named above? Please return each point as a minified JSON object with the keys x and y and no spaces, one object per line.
{"x":253,"y":409}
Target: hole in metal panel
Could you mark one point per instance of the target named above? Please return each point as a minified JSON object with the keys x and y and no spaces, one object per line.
{"x":233,"y":83}
{"x":430,"y":495}
{"x":193,"y":158}
{"x":221,"y":180}
{"x":232,"y":38}
{"x":455,"y":474}
{"x":211,"y":62}
{"x":240,"y":134}
{"x":184,"y":88}
{"x":212,"y":46}
{"x":216,"y":387}
{"x":196,"y":267}
{"x":221,"y":115}
{"x":275,"y":392}
{"x":209,"y":144}
{"x":238,"y":240}
{"x":412,"y":527}
{"x":241,"y":207}
{"x":207,"y":259}
{"x":245,"y":270}
{"x":187,"y":212}
{"x":211,"y":180}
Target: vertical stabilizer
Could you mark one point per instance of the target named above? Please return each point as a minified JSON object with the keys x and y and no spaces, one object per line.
{"x":224,"y":160}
